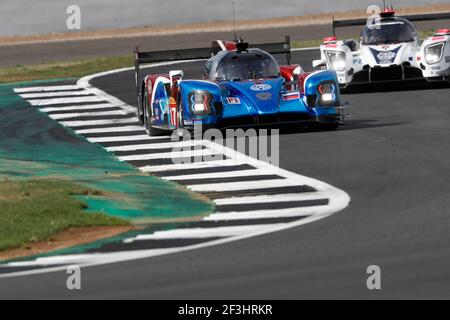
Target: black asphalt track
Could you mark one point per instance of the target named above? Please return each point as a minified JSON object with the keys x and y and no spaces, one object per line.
{"x":392,"y":158}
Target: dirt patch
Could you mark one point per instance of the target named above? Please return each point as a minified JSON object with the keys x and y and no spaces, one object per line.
{"x":213,"y":26}
{"x":68,"y":238}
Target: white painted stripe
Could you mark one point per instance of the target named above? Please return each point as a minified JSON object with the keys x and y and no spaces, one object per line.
{"x":197,"y":165}
{"x":168,"y":155}
{"x":111,"y":129}
{"x":86,"y":114}
{"x":96,"y":259}
{"x":244,"y":185}
{"x":153,"y":146}
{"x":212,"y":175}
{"x":271,"y":198}
{"x":305,"y":49}
{"x":199,"y":233}
{"x":126,"y":138}
{"x":79,"y":108}
{"x":83,"y":259}
{"x":338,"y":201}
{"x":55,"y":94}
{"x":262,"y":214}
{"x":47,"y":88}
{"x":93,"y":123}
{"x":47,"y":102}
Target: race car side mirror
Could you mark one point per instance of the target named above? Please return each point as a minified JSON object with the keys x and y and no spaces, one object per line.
{"x":319,"y":64}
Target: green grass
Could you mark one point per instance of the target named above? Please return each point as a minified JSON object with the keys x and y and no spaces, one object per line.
{"x":72,"y":69}
{"x":80,"y":68}
{"x":36,"y":210}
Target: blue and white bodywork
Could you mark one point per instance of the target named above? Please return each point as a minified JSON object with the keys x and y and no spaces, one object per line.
{"x":242,"y":87}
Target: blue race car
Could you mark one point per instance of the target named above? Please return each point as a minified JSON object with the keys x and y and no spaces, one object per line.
{"x":241,"y":86}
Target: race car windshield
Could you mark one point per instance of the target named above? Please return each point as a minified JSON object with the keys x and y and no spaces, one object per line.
{"x":244,"y":66}
{"x":390,"y":32}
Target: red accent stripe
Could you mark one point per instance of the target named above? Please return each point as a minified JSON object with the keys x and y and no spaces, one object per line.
{"x":291,"y":96}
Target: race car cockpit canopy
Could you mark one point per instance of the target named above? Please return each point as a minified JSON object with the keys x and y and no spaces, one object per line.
{"x":391,"y":30}
{"x":236,"y":66}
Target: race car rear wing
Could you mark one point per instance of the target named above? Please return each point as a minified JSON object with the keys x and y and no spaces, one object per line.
{"x":199,"y":54}
{"x":413,"y":18}
{"x":166,"y":56}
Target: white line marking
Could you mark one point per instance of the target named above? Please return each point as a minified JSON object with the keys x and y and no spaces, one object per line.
{"x":198,"y":233}
{"x":86,"y":114}
{"x":124,"y":138}
{"x":244,"y":185}
{"x":55,"y":94}
{"x":80,"y":108}
{"x":110,"y":129}
{"x":48,"y":102}
{"x":80,"y":259}
{"x":47,"y":88}
{"x":262,"y":214}
{"x":287,"y":197}
{"x":169,"y":155}
{"x":212,"y":175}
{"x":197,"y":165}
{"x":93,"y":123}
{"x":151,"y":146}
{"x":338,"y":200}
{"x":98,"y":259}
{"x":305,"y":49}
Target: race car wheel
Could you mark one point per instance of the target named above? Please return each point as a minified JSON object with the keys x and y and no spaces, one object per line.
{"x":140,"y":110}
{"x":147,"y":118}
{"x":180,"y":126}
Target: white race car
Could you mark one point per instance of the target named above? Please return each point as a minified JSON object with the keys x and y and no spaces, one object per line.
{"x":434,"y":56}
{"x":389,"y":50}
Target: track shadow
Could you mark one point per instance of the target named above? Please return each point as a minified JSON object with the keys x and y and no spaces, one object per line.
{"x":395,"y":86}
{"x":285,"y":129}
{"x":349,"y":125}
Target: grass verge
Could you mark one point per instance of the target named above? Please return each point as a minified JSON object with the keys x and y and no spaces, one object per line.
{"x":35,"y":210}
{"x":71,"y":69}
{"x":80,"y":68}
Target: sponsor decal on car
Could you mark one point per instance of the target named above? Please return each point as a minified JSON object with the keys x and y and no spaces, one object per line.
{"x":233,"y":100}
{"x":264,"y":96}
{"x":291,"y":96}
{"x":261,"y":87}
{"x":386,"y":57}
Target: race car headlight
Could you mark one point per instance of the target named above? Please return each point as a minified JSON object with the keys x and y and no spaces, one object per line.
{"x":337,"y":60}
{"x":327,"y":93}
{"x":434,"y":52}
{"x":200,"y":102}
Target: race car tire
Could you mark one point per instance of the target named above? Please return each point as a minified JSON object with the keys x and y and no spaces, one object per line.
{"x":181,"y":128}
{"x":151,"y":131}
{"x":140,"y":111}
